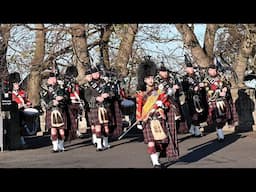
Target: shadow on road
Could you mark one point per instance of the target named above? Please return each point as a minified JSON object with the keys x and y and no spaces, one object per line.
{"x":203,"y":150}
{"x":38,"y":141}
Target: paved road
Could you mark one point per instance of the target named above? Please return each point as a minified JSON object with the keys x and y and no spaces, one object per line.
{"x":237,"y":151}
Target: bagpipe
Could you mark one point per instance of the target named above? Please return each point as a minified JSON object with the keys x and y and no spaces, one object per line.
{"x":214,"y":91}
{"x":57,"y":119}
{"x":178,"y":78}
{"x":195,"y":95}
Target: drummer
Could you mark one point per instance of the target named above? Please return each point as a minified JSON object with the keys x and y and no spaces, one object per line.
{"x":19,"y":96}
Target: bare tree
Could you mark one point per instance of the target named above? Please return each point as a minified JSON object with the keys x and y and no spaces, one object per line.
{"x":80,"y":49}
{"x":125,"y":48}
{"x":106,"y":32}
{"x":245,"y":51}
{"x":201,"y":55}
{"x":236,"y":44}
{"x":35,"y":70}
{"x":4,"y":38}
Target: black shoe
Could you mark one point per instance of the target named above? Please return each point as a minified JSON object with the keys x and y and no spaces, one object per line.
{"x":25,"y":146}
{"x":102,"y":149}
{"x":220,"y":140}
{"x":108,"y":147}
{"x":158,"y":166}
{"x":54,"y":151}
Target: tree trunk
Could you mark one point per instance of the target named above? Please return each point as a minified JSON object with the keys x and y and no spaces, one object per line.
{"x":190,"y":41}
{"x":105,"y":35}
{"x":125,"y":49}
{"x":209,"y":39}
{"x":35,"y":70}
{"x":242,"y":58}
{"x":79,"y":39}
{"x":5,"y":35}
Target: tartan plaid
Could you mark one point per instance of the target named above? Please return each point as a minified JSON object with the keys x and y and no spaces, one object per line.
{"x":172,"y":149}
{"x":118,"y":120}
{"x":48,"y":120}
{"x":73,"y":110}
{"x":212,"y":111}
{"x":93,"y":116}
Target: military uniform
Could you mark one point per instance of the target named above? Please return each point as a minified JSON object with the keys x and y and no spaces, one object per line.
{"x":218,"y":112}
{"x":75,"y":103}
{"x":55,"y":98}
{"x":151,"y":102}
{"x":99,"y":112}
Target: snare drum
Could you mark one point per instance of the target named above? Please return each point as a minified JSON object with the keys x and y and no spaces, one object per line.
{"x":31,"y":121}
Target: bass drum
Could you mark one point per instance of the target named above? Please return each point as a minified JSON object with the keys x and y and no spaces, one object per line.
{"x":31,"y":121}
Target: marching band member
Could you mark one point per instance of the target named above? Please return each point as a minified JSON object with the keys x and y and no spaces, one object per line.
{"x":75,"y":104}
{"x":151,"y":103}
{"x":195,"y":99}
{"x":19,"y":96}
{"x":216,"y":89}
{"x":166,"y":81}
{"x":56,"y":119}
{"x":97,"y":97}
{"x":87,"y":90}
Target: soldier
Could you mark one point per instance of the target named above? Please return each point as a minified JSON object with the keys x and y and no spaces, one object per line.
{"x":97,"y":97}
{"x":87,"y":94}
{"x":166,"y":81}
{"x":216,"y":89}
{"x":54,"y":97}
{"x":194,"y":98}
{"x":19,"y":96}
{"x":116,"y":94}
{"x":75,"y":104}
{"x":150,"y":113}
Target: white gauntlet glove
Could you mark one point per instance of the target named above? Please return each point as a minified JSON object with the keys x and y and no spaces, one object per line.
{"x":139,"y":127}
{"x":160,"y":104}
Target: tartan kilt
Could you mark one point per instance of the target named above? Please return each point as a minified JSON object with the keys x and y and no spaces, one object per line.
{"x":220,"y":121}
{"x":93,"y":116}
{"x":118,"y":120}
{"x":147,"y":133}
{"x":73,"y":110}
{"x":234,"y":116}
{"x":172,"y":150}
{"x":48,"y":120}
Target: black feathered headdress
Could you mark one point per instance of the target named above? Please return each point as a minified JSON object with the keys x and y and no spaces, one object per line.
{"x":162,"y":67}
{"x":88,"y":71}
{"x":71,"y":71}
{"x":145,"y":69}
{"x":14,"y":77}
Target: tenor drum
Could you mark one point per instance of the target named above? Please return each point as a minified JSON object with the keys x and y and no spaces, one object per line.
{"x":128,"y":107}
{"x":31,"y":121}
